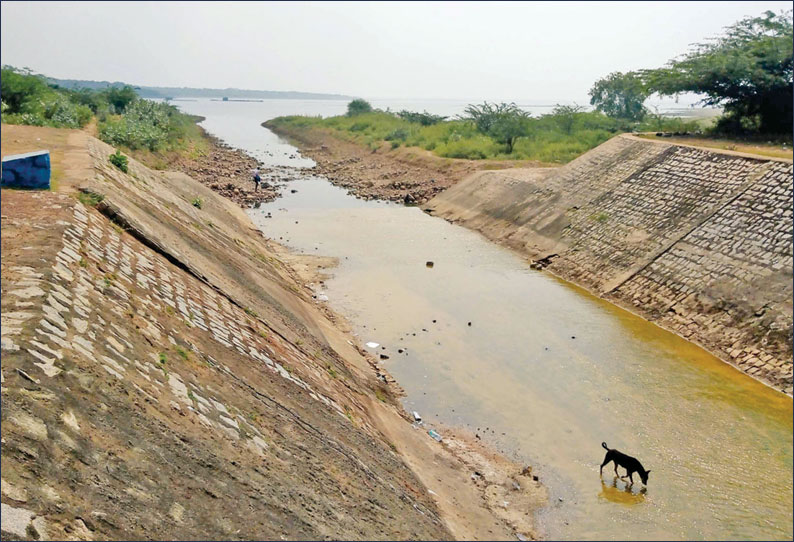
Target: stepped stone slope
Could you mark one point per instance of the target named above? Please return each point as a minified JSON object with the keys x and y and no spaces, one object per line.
{"x":164,"y":377}
{"x":696,"y":240}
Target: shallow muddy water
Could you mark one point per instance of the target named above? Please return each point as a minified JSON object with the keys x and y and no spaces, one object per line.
{"x":546,"y":372}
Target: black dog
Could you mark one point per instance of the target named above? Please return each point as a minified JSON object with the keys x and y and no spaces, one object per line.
{"x":627,"y":462}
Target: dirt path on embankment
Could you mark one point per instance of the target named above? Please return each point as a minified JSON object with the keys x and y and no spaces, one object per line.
{"x":408,"y":174}
{"x":166,"y":375}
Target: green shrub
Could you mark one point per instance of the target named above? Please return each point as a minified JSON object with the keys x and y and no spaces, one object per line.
{"x":197,"y":202}
{"x":91,"y":199}
{"x":472,"y":149}
{"x":28,"y":99}
{"x":397,"y":135}
{"x":119,"y":98}
{"x":425,"y":118}
{"x":146,"y":125}
{"x":357,"y":107}
{"x":119,"y":160}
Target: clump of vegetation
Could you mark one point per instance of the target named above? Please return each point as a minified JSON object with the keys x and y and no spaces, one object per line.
{"x":504,"y":123}
{"x":108,"y":279}
{"x":620,"y":96}
{"x":558,"y":137}
{"x":749,"y":71}
{"x":424,"y":118}
{"x":119,"y":160}
{"x":399,"y":134}
{"x":184,"y":354}
{"x":163,"y":358}
{"x":90,"y":199}
{"x":197,"y":202}
{"x":123,"y":119}
{"x":28,"y":99}
{"x":358,"y":107}
{"x":146,"y":125}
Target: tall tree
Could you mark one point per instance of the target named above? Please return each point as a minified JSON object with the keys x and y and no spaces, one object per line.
{"x":748,"y":71}
{"x":565,"y":115}
{"x":504,"y":122}
{"x":620,"y":95}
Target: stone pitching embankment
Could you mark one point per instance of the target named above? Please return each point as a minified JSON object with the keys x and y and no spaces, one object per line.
{"x":695,"y":240}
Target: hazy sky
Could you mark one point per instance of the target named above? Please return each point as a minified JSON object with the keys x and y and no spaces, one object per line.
{"x":488,"y":50}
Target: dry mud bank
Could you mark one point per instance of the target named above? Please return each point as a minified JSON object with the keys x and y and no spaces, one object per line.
{"x":696,"y":240}
{"x":406,"y":174}
{"x":167,"y":375}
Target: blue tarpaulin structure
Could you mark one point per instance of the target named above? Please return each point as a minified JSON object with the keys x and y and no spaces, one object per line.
{"x":30,"y":170}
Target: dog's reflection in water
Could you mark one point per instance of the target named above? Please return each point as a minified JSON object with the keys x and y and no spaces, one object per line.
{"x":619,"y":492}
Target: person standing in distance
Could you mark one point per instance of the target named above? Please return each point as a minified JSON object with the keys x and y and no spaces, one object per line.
{"x":257,"y":179}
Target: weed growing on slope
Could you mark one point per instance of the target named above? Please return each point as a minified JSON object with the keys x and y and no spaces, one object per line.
{"x":184,"y":354}
{"x":119,"y":160}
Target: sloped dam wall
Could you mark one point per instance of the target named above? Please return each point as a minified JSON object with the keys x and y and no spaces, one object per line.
{"x":697,"y":241}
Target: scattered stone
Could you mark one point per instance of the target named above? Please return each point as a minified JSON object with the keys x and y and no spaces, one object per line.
{"x":15,"y":520}
{"x":26,"y":376}
{"x":13,"y":492}
{"x":176,"y":512}
{"x":70,"y":420}
{"x":80,"y":531}
{"x":32,"y":426}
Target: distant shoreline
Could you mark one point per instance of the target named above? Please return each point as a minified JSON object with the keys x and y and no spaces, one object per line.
{"x":191,"y":92}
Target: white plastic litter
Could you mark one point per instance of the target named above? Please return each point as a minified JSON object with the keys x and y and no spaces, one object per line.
{"x":372,"y":345}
